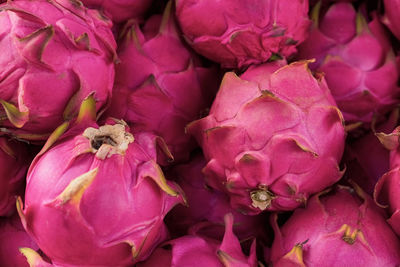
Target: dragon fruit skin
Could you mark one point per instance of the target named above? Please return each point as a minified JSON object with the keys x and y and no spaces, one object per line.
{"x":206,"y":205}
{"x":46,"y":72}
{"x":339,"y":228}
{"x":120,"y":10}
{"x":12,"y":237}
{"x":196,"y":250}
{"x":386,"y":195}
{"x":365,"y":158}
{"x":236,"y":34}
{"x":366,"y":161}
{"x":387,"y":189}
{"x":273,"y":137}
{"x":358,"y":61}
{"x":391,"y":18}
{"x":85,"y":196}
{"x":160,"y":85}
{"x":13,"y":166}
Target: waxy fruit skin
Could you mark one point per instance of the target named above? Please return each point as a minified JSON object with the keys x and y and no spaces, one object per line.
{"x":273,"y":136}
{"x":387,"y":189}
{"x":208,"y":206}
{"x":391,"y":17}
{"x":13,"y":237}
{"x":342,"y":227}
{"x":97,"y":197}
{"x":120,"y":10}
{"x":358,"y":61}
{"x":160,"y":84}
{"x":48,"y":70}
{"x":237,"y":34}
{"x":14,"y":163}
{"x":196,"y":250}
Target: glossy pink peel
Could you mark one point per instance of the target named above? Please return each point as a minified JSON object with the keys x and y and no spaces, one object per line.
{"x":208,"y":206}
{"x":343,"y":227}
{"x":196,"y":250}
{"x":47,"y":70}
{"x":120,"y":10}
{"x":237,"y":34}
{"x":358,"y":61}
{"x":14,"y":162}
{"x":273,"y":137}
{"x":160,"y":84}
{"x":85,"y":197}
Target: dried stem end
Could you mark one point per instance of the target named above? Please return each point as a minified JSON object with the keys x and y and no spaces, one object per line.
{"x":261,"y":198}
{"x":349,"y":236}
{"x":108,"y":140}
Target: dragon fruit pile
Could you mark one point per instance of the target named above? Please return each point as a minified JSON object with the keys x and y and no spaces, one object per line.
{"x":199,"y":133}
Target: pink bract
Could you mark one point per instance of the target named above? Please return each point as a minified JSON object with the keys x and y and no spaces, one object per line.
{"x":14,"y":163}
{"x":273,"y":137}
{"x":208,"y":206}
{"x":358,"y":61}
{"x":237,"y":34}
{"x":196,"y":250}
{"x":391,"y":17}
{"x":49,"y":49}
{"x":387,"y":190}
{"x":120,"y":10}
{"x":97,"y":197}
{"x":342,"y":227}
{"x":365,"y":158}
{"x":160,"y":85}
{"x":13,"y":237}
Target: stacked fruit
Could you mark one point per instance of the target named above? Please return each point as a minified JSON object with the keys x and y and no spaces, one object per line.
{"x":199,"y":133}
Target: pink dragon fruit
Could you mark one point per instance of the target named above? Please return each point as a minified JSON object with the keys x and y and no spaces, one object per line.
{"x":387,"y":189}
{"x":160,"y":86}
{"x":358,"y":61}
{"x":13,"y":237}
{"x":391,"y":17}
{"x":48,"y":50}
{"x":366,"y":161}
{"x":120,"y":10}
{"x":97,"y":197}
{"x":339,"y":228}
{"x":235,"y":33}
{"x":196,"y":250}
{"x":273,"y":137}
{"x":206,"y":205}
{"x":34,"y":259}
{"x":14,"y":163}
{"x":365,"y":158}
{"x":386,"y":195}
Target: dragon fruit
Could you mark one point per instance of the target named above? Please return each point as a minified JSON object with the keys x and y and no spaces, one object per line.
{"x":48,"y":50}
{"x":366,"y":161}
{"x":196,"y":250}
{"x":97,"y":197}
{"x":386,"y":195}
{"x":391,"y":17}
{"x":120,"y":10}
{"x":387,"y":189}
{"x":14,"y":163}
{"x":342,"y":227}
{"x":358,"y":61}
{"x":160,"y":86}
{"x":365,"y":158}
{"x":13,"y":237}
{"x":206,"y":205}
{"x":273,"y":137}
{"x":236,"y":34}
